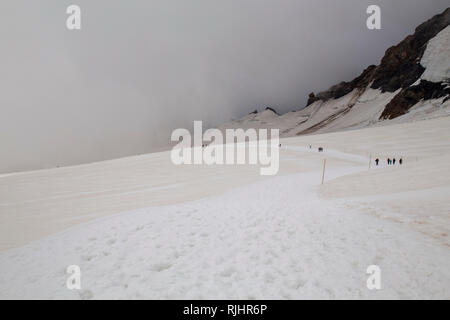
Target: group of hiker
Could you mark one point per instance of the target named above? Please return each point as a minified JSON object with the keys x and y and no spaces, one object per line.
{"x":390,"y":161}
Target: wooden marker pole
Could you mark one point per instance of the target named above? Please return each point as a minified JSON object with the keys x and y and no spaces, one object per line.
{"x":323,"y":173}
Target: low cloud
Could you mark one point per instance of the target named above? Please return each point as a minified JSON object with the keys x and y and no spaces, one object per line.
{"x":139,"y":69}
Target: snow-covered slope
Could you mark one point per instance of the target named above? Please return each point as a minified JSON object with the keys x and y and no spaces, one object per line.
{"x":411,"y":83}
{"x":350,"y":111}
{"x":436,"y":58}
{"x":353,"y":111}
{"x":283,"y":237}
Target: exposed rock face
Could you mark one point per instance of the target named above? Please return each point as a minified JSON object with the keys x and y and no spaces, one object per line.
{"x":343,"y":88}
{"x":415,"y":70}
{"x":400,"y":66}
{"x":271,"y":109}
{"x":408,"y":97}
{"x":399,"y":69}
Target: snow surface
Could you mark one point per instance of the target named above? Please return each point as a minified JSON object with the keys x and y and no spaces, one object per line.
{"x":226,"y":232}
{"x":436,"y":58}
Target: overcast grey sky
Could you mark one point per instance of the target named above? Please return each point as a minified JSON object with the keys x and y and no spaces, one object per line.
{"x":139,"y":69}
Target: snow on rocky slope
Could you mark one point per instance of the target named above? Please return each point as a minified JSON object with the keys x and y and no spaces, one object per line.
{"x":411,"y":83}
{"x":436,"y":59}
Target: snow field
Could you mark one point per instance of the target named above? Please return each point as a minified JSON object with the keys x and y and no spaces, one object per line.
{"x":285,"y":237}
{"x":271,"y":240}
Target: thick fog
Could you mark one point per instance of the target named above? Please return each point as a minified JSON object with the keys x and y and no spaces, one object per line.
{"x":139,"y":69}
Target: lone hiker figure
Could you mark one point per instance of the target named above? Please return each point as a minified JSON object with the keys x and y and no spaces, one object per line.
{"x":377,"y":161}
{"x":400,"y":161}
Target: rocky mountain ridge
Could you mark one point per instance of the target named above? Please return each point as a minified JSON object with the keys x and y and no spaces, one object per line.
{"x":411,"y":82}
{"x":399,"y":69}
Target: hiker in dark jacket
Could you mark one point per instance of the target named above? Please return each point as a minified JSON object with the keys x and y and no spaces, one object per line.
{"x":393,"y":161}
{"x":400,"y":161}
{"x":389,"y":161}
{"x":377,"y":161}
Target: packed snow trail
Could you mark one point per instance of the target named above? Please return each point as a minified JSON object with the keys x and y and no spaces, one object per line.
{"x":275,"y":239}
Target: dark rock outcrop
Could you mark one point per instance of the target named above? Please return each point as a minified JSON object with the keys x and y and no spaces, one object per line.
{"x":343,"y":88}
{"x":408,"y":97}
{"x":400,"y":66}
{"x":271,"y":109}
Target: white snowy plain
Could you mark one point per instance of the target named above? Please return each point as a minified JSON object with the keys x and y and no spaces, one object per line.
{"x":228,"y":233}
